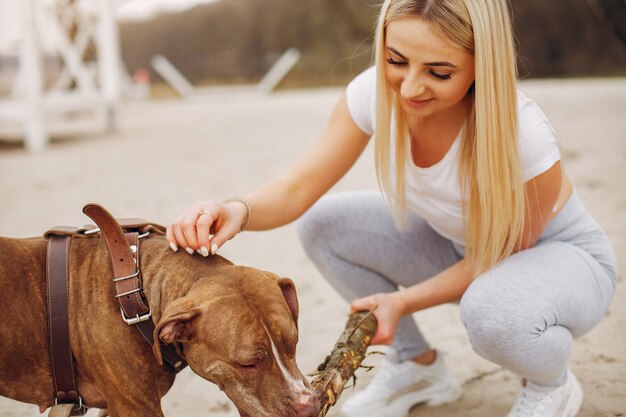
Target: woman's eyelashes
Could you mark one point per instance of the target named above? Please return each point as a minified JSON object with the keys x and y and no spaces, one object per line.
{"x":394,"y":62}
{"x":439,"y":75}
{"x":432,"y":73}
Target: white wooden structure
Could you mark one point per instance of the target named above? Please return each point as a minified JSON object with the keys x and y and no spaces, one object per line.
{"x":64,"y":29}
{"x":270,"y":81}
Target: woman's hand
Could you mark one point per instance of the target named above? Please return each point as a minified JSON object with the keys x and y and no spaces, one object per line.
{"x":389,"y":311}
{"x":192,"y":230}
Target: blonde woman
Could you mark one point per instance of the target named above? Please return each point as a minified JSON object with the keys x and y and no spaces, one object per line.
{"x":475,"y":207}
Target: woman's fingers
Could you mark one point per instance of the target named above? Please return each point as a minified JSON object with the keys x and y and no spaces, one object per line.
{"x":387,"y":314}
{"x":203,"y":229}
{"x":193,"y":228}
{"x":182,"y":232}
{"x":189,"y":227}
{"x":222,"y":235}
{"x":176,"y":231}
{"x":169,"y":235}
{"x":363,"y":304}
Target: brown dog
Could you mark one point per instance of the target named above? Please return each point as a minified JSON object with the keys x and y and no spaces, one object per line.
{"x":236,"y":326}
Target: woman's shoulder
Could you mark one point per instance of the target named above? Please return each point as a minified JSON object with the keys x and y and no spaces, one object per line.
{"x":364,"y":84}
{"x":368,"y":76}
{"x":529,"y":112}
{"x":361,"y":99}
{"x":538,"y":140}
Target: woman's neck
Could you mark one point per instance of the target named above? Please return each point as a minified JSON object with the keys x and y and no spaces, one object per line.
{"x":432,"y":136}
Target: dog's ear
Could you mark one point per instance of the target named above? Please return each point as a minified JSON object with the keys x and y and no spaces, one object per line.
{"x":174,"y":326}
{"x":289,"y":294}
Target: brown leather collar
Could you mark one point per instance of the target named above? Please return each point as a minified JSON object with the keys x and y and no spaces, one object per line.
{"x":61,"y":357}
{"x":124,"y":251}
{"x":123,"y":243}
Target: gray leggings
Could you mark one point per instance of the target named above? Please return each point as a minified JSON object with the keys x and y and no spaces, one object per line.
{"x":522,"y":314}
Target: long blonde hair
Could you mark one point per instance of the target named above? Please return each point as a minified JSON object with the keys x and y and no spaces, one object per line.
{"x":489,"y":164}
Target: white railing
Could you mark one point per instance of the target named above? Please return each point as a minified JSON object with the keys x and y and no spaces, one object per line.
{"x":81,"y":85}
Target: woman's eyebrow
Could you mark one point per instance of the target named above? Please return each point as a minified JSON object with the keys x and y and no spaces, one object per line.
{"x":395,"y":51}
{"x":427,"y":64}
{"x":439,"y":64}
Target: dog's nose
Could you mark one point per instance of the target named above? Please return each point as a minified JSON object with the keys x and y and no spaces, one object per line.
{"x":308,"y":406}
{"x":309,"y":411}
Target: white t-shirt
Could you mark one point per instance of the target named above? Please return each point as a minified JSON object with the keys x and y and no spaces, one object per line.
{"x":434,"y":193}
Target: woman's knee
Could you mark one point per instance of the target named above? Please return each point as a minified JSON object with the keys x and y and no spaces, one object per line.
{"x":497,"y":322}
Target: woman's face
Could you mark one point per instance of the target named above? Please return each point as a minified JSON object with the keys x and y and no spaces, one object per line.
{"x":429,"y":72}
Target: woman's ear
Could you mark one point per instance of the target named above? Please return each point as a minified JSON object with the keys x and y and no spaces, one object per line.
{"x":288,"y":289}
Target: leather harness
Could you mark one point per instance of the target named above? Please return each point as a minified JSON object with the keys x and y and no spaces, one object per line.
{"x":122,"y":238}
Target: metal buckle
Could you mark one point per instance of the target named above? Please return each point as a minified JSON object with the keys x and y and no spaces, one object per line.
{"x":78,"y":407}
{"x":135,"y":275}
{"x":91,"y":231}
{"x":124,"y":294}
{"x":137,"y":318}
{"x":95,"y":230}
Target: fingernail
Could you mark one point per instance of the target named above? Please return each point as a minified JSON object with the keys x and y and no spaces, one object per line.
{"x":214,"y":249}
{"x":174,"y":247}
{"x":189,"y":251}
{"x":204,"y":251}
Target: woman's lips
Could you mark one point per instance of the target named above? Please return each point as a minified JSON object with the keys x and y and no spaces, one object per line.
{"x":417,"y":104}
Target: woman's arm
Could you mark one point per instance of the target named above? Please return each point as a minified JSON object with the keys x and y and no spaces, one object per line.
{"x":546,"y":192}
{"x":545,"y":195}
{"x":289,"y":196}
{"x":280,"y":201}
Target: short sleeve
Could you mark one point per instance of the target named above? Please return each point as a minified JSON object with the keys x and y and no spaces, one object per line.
{"x":361,"y":97}
{"x":539,"y":148}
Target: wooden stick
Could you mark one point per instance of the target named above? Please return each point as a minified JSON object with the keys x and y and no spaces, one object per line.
{"x":345,"y":358}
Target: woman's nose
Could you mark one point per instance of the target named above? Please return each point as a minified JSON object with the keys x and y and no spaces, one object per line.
{"x":412,"y":86}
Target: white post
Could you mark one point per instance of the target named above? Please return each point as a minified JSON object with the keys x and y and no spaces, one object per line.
{"x":109,"y":58}
{"x":280,"y":69}
{"x":174,"y":78}
{"x":32,"y":77}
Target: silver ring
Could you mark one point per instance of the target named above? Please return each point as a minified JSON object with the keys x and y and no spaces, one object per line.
{"x":205,"y":211}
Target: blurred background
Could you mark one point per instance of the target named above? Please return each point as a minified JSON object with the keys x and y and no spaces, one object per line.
{"x":234,"y":40}
{"x":147,"y":106}
{"x":238,"y":41}
{"x":63,"y":57}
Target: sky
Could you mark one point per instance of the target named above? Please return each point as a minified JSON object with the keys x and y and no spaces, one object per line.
{"x":142,"y":9}
{"x":124,"y":10}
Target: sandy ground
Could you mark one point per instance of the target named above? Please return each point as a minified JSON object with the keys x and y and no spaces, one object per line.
{"x":167,"y":154}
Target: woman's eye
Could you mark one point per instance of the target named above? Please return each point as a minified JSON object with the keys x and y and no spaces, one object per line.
{"x":394,"y":62}
{"x":440,"y":76}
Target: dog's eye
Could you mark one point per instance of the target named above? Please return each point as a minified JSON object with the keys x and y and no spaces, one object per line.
{"x":252,"y":361}
{"x":247,"y":365}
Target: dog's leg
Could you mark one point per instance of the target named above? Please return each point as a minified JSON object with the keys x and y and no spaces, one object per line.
{"x":103,"y":413}
{"x":61,"y":410}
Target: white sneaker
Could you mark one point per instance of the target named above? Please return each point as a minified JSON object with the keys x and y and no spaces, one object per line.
{"x":398,"y":386}
{"x":536,"y":401}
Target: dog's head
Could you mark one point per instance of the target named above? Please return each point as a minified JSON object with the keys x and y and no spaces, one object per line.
{"x":240,"y":332}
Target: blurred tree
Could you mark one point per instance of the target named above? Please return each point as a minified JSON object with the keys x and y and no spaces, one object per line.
{"x":612,"y":12}
{"x":239,"y":40}
{"x":562,"y":38}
